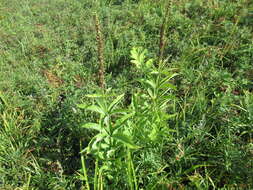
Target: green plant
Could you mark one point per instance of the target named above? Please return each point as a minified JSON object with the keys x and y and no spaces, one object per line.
{"x":145,"y":120}
{"x":112,"y":140}
{"x":151,"y":102}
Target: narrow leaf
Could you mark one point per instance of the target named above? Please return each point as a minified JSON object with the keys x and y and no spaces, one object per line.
{"x":125,"y":140}
{"x":119,"y":111}
{"x":94,"y":126}
{"x":82,"y":106}
{"x":94,"y":95}
{"x":166,"y":84}
{"x":122,"y":120}
{"x":96,"y":109}
{"x":194,"y":168}
{"x":115,"y":102}
{"x":151,"y":83}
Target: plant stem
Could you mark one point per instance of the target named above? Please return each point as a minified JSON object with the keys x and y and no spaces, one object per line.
{"x":96,"y":186}
{"x":131,"y":173}
{"x":84,"y":169}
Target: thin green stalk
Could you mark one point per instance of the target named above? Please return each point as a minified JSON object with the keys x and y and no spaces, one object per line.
{"x":100,"y":180}
{"x":96,"y":175}
{"x":28,"y":182}
{"x":132,"y":180}
{"x":133,"y":172}
{"x":84,"y":169}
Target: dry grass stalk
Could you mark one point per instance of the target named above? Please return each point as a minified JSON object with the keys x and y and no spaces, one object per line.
{"x":100,"y":50}
{"x":163,"y":31}
{"x":52,"y":79}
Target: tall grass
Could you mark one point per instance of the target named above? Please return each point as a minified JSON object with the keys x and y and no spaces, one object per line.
{"x":175,"y":114}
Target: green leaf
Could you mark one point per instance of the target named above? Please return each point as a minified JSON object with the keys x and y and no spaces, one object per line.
{"x":2,"y":99}
{"x":136,"y":63}
{"x":134,"y":53}
{"x":138,"y":55}
{"x":126,"y":140}
{"x":169,"y":116}
{"x":142,"y":56}
{"x":122,"y":120}
{"x":194,"y":168}
{"x":151,"y":83}
{"x":119,"y":111}
{"x":94,"y":143}
{"x":169,"y":71}
{"x":82,"y":106}
{"x":149,"y":63}
{"x":95,"y":95}
{"x":153,"y":134}
{"x":115,"y":102}
{"x":106,"y":120}
{"x":169,"y":75}
{"x":154,"y":72}
{"x":104,"y":146}
{"x":102,"y":104}
{"x":167,"y":97}
{"x":94,"y":126}
{"x":167,"y":85}
{"x":151,"y":93}
{"x":96,"y":109}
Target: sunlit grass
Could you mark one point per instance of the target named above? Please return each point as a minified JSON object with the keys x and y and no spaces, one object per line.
{"x":196,"y":135}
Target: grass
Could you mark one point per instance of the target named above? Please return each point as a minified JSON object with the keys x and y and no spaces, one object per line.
{"x":181,"y":106}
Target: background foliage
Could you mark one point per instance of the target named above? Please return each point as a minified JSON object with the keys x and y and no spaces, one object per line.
{"x":48,"y":64}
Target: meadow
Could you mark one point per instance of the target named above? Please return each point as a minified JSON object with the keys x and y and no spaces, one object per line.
{"x":126,"y":94}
